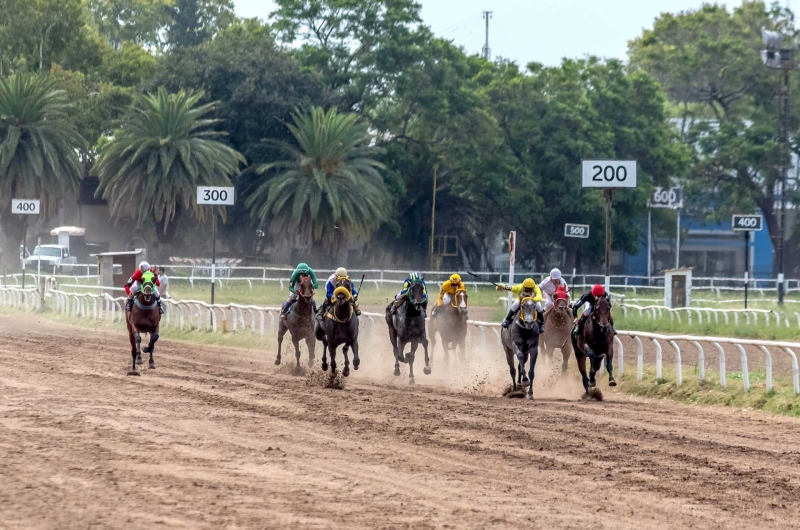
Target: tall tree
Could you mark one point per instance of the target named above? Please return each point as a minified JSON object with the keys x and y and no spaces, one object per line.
{"x":328,"y":188}
{"x":38,"y":153}
{"x":194,"y":22}
{"x":150,"y":169}
{"x":140,"y":21}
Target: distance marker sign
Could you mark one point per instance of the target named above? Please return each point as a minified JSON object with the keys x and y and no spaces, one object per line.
{"x":215,"y":195}
{"x":575,"y":230}
{"x":608,"y":173}
{"x":25,"y":206}
{"x":747,"y":223}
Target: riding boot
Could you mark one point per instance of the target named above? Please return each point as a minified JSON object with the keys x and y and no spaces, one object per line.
{"x":314,"y":306}
{"x":287,"y":306}
{"x":508,"y":319}
{"x":425,"y":310}
{"x":394,"y":306}
{"x":323,"y":309}
{"x":129,"y":304}
{"x":355,"y":306}
{"x":160,"y":307}
{"x":540,"y":320}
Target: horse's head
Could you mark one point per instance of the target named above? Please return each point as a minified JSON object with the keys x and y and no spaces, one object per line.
{"x":461,"y":302}
{"x":416,"y":294}
{"x":602,"y":313}
{"x":343,"y":291}
{"x":147,"y":292}
{"x":305,"y":290}
{"x":527,"y":312}
{"x":561,"y":299}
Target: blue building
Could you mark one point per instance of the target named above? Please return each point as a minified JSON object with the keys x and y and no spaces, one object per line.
{"x":710,"y":249}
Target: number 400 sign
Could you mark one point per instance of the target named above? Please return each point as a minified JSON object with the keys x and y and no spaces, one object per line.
{"x":608,"y":173}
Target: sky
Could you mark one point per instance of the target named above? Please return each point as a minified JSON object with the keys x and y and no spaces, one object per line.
{"x":544,"y":31}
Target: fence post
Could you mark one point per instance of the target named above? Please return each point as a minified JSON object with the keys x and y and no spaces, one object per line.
{"x":745,"y":370}
{"x":658,"y":359}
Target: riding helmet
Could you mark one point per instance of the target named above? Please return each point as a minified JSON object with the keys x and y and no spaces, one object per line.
{"x":144,"y":266}
{"x":341,"y":272}
{"x":529,"y":284}
{"x":455,"y":278}
{"x":598,"y":290}
{"x":302,"y":267}
{"x":555,"y":274}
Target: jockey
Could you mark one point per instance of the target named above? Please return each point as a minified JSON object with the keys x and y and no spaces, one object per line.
{"x":527,"y":288}
{"x":448,"y":291}
{"x":549,"y":286}
{"x":330,"y":286}
{"x":589,"y":299}
{"x":413,"y":277}
{"x":302,"y":270}
{"x":134,"y":284}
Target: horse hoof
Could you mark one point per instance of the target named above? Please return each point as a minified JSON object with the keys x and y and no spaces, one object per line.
{"x":592,"y":384}
{"x":324,"y":367}
{"x":138,"y":359}
{"x":133,"y":372}
{"x":151,"y":366}
{"x":409,"y":358}
{"x":525,"y":382}
{"x":356,"y":363}
{"x":411,"y":382}
{"x":426,"y":370}
{"x":147,"y":349}
{"x":397,"y":372}
{"x":529,"y":397}
{"x":611,"y":382}
{"x":277,"y":362}
{"x":346,"y":371}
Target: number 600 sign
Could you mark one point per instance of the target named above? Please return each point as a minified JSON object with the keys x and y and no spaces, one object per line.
{"x":608,"y":174}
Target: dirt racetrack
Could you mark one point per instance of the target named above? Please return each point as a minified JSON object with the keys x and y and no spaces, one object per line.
{"x":214,"y":438}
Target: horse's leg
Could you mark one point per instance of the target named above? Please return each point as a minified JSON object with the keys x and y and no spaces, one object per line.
{"x":324,"y":355}
{"x":296,"y":344}
{"x":524,"y":381}
{"x":311,"y":344}
{"x":566,"y":350}
{"x":345,"y":352}
{"x":411,"y":356}
{"x":281,"y":332}
{"x":594,"y":365}
{"x":151,"y":347}
{"x":132,"y":338}
{"x":534,"y":356}
{"x":610,"y":367}
{"x":356,"y":358}
{"x":427,"y":369}
{"x":332,"y":351}
{"x":138,"y":338}
{"x":580,"y":357}
{"x":513,"y":372}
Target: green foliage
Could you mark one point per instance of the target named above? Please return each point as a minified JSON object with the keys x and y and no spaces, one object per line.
{"x":162,"y":152}
{"x":38,"y":153}
{"x":130,"y":66}
{"x":329,"y":187}
{"x":139,"y":21}
{"x":194,"y":22}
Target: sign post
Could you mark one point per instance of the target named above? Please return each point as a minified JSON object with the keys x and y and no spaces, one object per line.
{"x":671,"y":199}
{"x":575,"y":230}
{"x":747,"y":224}
{"x":512,"y":251}
{"x":25,"y":207}
{"x":214,"y":196}
{"x":608,"y":174}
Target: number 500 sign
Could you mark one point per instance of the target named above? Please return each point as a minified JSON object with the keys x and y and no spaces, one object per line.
{"x":215,"y":195}
{"x":608,"y":173}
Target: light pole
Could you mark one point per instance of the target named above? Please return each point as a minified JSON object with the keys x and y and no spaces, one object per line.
{"x":778,"y":57}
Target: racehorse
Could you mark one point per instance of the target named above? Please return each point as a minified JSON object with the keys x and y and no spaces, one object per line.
{"x":596,"y":342}
{"x":558,"y":327}
{"x":520,"y":341}
{"x":451,"y":325}
{"x":299,"y":322}
{"x":407,"y":326}
{"x":143,"y":317}
{"x":339,"y":326}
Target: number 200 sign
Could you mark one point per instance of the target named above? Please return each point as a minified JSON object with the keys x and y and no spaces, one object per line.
{"x":608,"y":173}
{"x":215,"y":195}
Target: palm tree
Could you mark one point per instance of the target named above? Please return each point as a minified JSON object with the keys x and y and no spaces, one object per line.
{"x":163,"y":150}
{"x":39,"y":149}
{"x":330,"y":186}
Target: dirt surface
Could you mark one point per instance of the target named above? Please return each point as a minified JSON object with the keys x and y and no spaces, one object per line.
{"x":217,"y":438}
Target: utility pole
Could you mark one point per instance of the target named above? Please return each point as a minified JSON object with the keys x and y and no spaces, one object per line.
{"x":433,"y":216}
{"x":487,"y":52}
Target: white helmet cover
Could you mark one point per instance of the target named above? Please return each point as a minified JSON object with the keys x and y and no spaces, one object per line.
{"x":144,"y":266}
{"x":555,"y":274}
{"x":341,"y":271}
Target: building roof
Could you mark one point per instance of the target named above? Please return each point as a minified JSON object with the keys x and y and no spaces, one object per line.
{"x":123,"y":253}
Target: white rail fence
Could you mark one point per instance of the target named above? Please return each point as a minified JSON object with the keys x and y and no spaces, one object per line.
{"x":709,"y":315}
{"x":200,"y":316}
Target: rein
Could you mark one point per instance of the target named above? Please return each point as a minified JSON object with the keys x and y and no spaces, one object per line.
{"x":332,"y":315}
{"x":143,"y":307}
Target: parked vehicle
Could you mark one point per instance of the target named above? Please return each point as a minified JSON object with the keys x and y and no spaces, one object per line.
{"x":54,"y":258}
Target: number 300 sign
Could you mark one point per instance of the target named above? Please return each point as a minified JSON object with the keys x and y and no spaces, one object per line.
{"x":215,"y":195}
{"x":608,"y":174}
